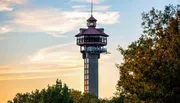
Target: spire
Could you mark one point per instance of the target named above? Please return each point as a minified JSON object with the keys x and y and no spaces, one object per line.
{"x":91,"y":22}
{"x":91,"y":19}
{"x":91,"y":7}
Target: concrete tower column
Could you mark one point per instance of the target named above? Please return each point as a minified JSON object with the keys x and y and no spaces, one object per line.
{"x":91,"y":73}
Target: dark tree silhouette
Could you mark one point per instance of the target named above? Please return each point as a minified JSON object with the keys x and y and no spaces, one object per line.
{"x":57,"y":93}
{"x":150,"y":72}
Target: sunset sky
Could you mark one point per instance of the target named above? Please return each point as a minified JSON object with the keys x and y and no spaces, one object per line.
{"x":37,"y":43}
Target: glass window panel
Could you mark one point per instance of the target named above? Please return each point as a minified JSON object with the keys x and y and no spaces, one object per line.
{"x":87,"y":71}
{"x":87,"y":60}
{"x":87,"y":82}
{"x":105,"y":40}
{"x":86,"y":55}
{"x":84,"y":60}
{"x":87,"y":65}
{"x":85,"y":77}
{"x":87,"y":88}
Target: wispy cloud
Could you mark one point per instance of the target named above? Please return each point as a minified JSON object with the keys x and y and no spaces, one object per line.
{"x":6,"y":5}
{"x":57,"y":60}
{"x":45,"y":62}
{"x":54,"y":21}
{"x":57,"y":22}
{"x":62,"y":53}
{"x":96,"y":8}
{"x":51,"y":59}
{"x":102,"y":8}
{"x":79,"y":6}
{"x":5,"y":29}
{"x":34,"y":77}
{"x":89,"y":1}
{"x":39,"y":70}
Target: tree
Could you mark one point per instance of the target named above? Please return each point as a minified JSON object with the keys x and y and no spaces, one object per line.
{"x":76,"y":95}
{"x":88,"y":98}
{"x":9,"y":101}
{"x":151,"y":67}
{"x":57,"y":93}
{"x":21,"y":98}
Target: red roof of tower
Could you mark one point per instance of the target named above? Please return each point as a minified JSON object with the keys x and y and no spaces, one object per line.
{"x":91,"y":19}
{"x":92,"y":31}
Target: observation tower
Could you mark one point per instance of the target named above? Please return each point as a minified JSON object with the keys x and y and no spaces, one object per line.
{"x":92,"y":42}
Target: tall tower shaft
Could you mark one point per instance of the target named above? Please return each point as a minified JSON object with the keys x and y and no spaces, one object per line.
{"x":91,"y":73}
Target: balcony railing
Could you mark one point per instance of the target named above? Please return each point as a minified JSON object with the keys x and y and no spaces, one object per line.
{"x":93,"y":49}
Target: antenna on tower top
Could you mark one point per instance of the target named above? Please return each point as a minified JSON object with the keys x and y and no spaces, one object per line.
{"x":91,"y":7}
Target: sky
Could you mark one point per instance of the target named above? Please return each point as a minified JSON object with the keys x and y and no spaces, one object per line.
{"x":37,"y":43}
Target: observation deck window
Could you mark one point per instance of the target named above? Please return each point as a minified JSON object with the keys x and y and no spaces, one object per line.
{"x":83,"y":39}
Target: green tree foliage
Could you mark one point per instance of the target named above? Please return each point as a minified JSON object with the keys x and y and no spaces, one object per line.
{"x":57,"y":93}
{"x":150,"y":72}
{"x":88,"y":98}
{"x":76,"y":95}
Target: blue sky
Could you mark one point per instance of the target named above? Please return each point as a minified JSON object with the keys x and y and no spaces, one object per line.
{"x":37,"y":40}
{"x":26,"y":41}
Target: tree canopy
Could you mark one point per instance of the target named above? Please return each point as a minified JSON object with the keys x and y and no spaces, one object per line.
{"x":57,"y":93}
{"x":150,"y":72}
